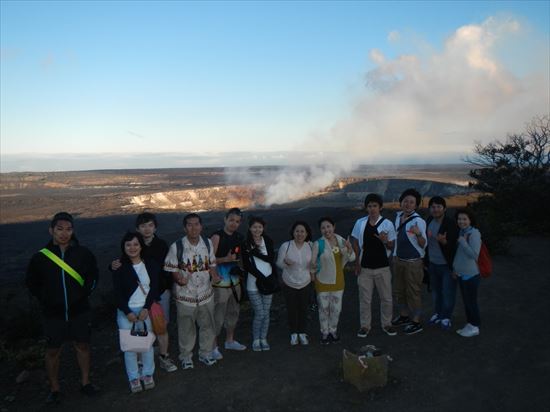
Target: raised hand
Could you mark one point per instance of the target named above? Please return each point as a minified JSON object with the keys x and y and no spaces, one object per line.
{"x":231,"y":257}
{"x":442,"y":238}
{"x":383,"y":236}
{"x":415,"y":229}
{"x":116,"y":264}
{"x":347,"y":244}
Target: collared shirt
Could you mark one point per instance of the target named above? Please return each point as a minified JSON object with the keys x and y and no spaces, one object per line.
{"x":194,"y":265}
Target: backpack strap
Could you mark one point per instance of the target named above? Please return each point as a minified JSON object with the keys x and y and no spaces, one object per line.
{"x":179,"y":251}
{"x":414,"y":216}
{"x":379,"y":222}
{"x":207,"y":243}
{"x":321,"y":250}
{"x":63,"y":265}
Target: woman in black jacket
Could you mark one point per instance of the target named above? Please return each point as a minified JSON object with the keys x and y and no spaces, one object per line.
{"x":259,"y":263}
{"x":136,"y":286}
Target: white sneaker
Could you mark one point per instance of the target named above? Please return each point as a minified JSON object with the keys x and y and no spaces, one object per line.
{"x":434,"y":320}
{"x":303,"y":339}
{"x":256,"y":345}
{"x":294,"y":339}
{"x":187,"y":363}
{"x":465,"y":328}
{"x":234,"y":345}
{"x":469,"y":332}
{"x":167,"y":364}
{"x":216,"y":354}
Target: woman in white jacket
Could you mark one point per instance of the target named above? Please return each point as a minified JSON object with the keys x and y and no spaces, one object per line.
{"x":330,"y":254}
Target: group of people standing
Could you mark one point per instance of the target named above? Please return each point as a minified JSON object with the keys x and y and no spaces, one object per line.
{"x":205,"y":277}
{"x":446,"y":249}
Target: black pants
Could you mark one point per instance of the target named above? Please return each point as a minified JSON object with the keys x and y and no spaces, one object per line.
{"x":468,"y":289}
{"x":297,"y":301}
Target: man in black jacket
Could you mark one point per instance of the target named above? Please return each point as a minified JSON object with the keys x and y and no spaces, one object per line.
{"x":61,"y":276}
{"x":442,"y":237}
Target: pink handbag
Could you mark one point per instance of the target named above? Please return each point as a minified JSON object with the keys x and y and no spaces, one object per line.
{"x":136,"y":340}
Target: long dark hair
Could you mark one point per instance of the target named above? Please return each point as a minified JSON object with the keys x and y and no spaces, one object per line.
{"x":305,"y":225}
{"x":126,"y":238}
{"x":249,"y":238}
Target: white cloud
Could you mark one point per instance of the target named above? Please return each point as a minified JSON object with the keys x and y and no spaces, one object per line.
{"x":394,"y":36}
{"x":444,"y":100}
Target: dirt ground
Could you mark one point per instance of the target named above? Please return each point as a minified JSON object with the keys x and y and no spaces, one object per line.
{"x":506,"y":368}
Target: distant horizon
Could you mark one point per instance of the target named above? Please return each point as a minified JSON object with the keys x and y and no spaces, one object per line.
{"x":80,"y":162}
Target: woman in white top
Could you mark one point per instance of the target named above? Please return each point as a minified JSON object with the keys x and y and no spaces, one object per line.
{"x":135,"y":285}
{"x":258,"y":261}
{"x":295,"y":260}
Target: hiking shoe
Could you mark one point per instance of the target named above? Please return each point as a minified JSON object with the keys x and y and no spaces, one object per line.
{"x":54,"y":398}
{"x":89,"y":390}
{"x":148,"y":382}
{"x":135,"y":386}
{"x":187,"y":363}
{"x":363,"y":332}
{"x":294,"y":339}
{"x":334,"y":338}
{"x":401,"y":321}
{"x":389,"y":330}
{"x":234,"y":345}
{"x":207,"y":360}
{"x":469,"y":331}
{"x":256,"y":345}
{"x":265,"y":345}
{"x":216,"y":354}
{"x":434,"y":320}
{"x":167,"y":364}
{"x":413,"y":328}
{"x":445,"y":324}
{"x":303,"y":339}
{"x":324,"y":339}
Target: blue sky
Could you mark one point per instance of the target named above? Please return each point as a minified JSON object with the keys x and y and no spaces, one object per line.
{"x":107,"y":80}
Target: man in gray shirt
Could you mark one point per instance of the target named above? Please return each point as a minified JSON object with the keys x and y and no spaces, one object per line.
{"x":442,"y":235}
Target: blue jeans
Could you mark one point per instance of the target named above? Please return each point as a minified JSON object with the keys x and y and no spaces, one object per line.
{"x":261,"y":305}
{"x":131,"y":358}
{"x":468,"y":289}
{"x":443,"y":290}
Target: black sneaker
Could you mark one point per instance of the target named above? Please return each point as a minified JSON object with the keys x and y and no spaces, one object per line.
{"x":334,"y":338}
{"x":389,"y":330}
{"x":54,"y":398}
{"x":325,"y":339}
{"x":363,"y":333}
{"x":413,"y":328}
{"x":89,"y":390}
{"x":401,"y":321}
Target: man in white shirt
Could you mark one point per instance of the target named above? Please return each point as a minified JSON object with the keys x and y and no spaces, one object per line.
{"x":193,"y":265}
{"x":373,"y":238}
